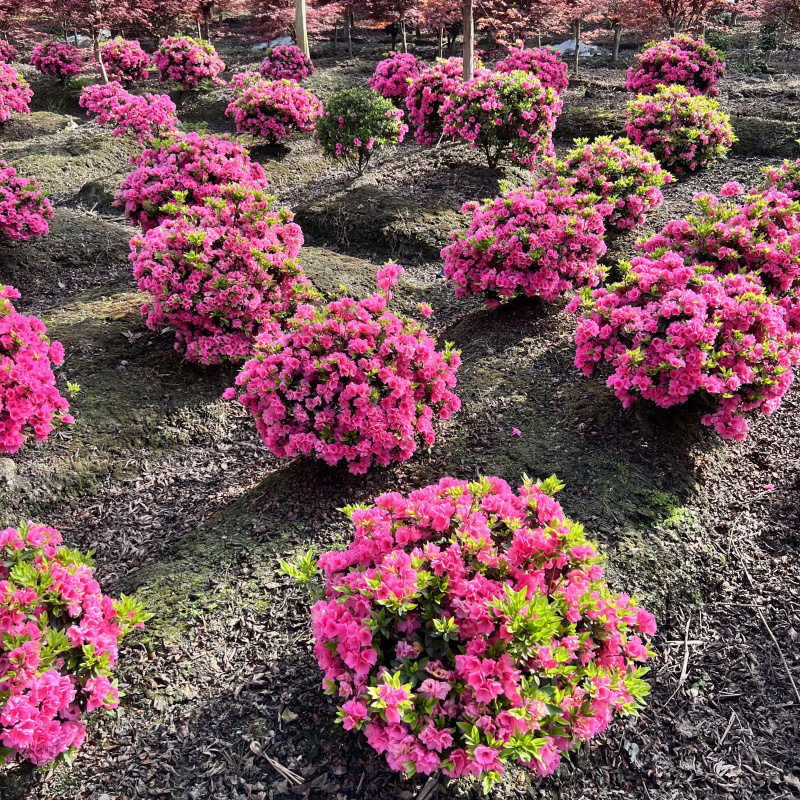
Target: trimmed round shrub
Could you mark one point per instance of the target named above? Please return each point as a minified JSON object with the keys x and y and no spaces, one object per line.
{"x":191,"y":164}
{"x":8,"y":52}
{"x":274,"y":110}
{"x":57,"y":58}
{"x":625,"y":175}
{"x":355,"y":124}
{"x":543,"y":62}
{"x":393,"y":76}
{"x":504,"y":115}
{"x":125,"y":61}
{"x":191,"y":63}
{"x":682,"y":60}
{"x":672,"y":328}
{"x":24,"y":209}
{"x":61,"y":638}
{"x":350,"y":382}
{"x":220,"y":273}
{"x":682,"y":131}
{"x":468,"y":627}
{"x":243,"y":80}
{"x":785,"y":178}
{"x":29,"y":399}
{"x":531,"y":241}
{"x":286,"y":62}
{"x":15,"y":93}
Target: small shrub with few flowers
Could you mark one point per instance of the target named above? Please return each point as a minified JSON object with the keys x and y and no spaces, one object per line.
{"x":190,"y":163}
{"x":393,"y":76}
{"x":274,"y":110}
{"x":61,"y":638}
{"x":15,"y":93}
{"x":191,"y":63}
{"x":57,"y":58}
{"x":125,"y":61}
{"x":8,"y":52}
{"x":543,"y":62}
{"x":684,"y":132}
{"x":672,"y":328}
{"x":286,"y":62}
{"x":469,"y":627}
{"x":350,"y":382}
{"x":355,"y":124}
{"x":505,"y":115}
{"x":625,"y":175}
{"x":532,"y":241}
{"x":220,"y":273}
{"x":682,"y":60}
{"x":29,"y":399}
{"x":24,"y":209}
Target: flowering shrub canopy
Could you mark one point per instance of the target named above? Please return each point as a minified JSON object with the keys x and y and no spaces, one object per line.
{"x":683,"y":132}
{"x":625,"y":175}
{"x":683,"y":60}
{"x":543,"y":62}
{"x":191,"y":163}
{"x":393,"y":76}
{"x":191,"y":63}
{"x":274,"y":110}
{"x":8,"y":52}
{"x":28,"y":394}
{"x":125,"y":61}
{"x":15,"y":93}
{"x":505,"y":115}
{"x":349,"y":381}
{"x":286,"y":62}
{"x":355,"y":124}
{"x":535,"y":241}
{"x":219,"y":273}
{"x":60,"y":644}
{"x":785,"y":178}
{"x":57,"y":58}
{"x":243,"y":80}
{"x":24,"y":209}
{"x":468,"y":626}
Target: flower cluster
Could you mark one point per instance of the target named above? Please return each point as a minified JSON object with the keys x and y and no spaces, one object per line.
{"x":274,"y":110}
{"x":505,"y":115}
{"x":468,"y":627}
{"x":535,"y":241}
{"x":624,"y":174}
{"x":543,"y":62}
{"x":349,"y":381}
{"x":57,"y":58}
{"x":125,"y":61}
{"x":189,"y":163}
{"x":28,"y":394}
{"x":24,"y":209}
{"x":355,"y":124}
{"x":15,"y":93}
{"x":220,"y":273}
{"x":682,"y":60}
{"x":684,"y":132}
{"x":191,"y":63}
{"x":393,"y":76}
{"x":785,"y":178}
{"x":286,"y":62}
{"x":243,"y":80}
{"x":8,"y":52}
{"x":61,"y":639}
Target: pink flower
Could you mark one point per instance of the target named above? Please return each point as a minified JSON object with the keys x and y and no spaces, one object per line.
{"x":516,"y":432}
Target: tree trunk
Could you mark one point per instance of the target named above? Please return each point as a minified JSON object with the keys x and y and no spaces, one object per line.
{"x":335,"y":35}
{"x":300,"y":29}
{"x":403,"y":37}
{"x":441,"y":41}
{"x":199,"y":29}
{"x":348,"y":33}
{"x":66,"y":32}
{"x":617,"y":37}
{"x":734,"y":18}
{"x":469,"y":39}
{"x":98,"y":55}
{"x":577,"y":28}
{"x":539,"y":37}
{"x":206,"y":22}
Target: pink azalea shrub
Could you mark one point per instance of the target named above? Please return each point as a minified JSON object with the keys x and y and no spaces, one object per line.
{"x":191,"y":63}
{"x":672,"y":328}
{"x":220,"y":273}
{"x":531,"y":241}
{"x":190,"y":163}
{"x":468,"y":627}
{"x":625,"y":175}
{"x":683,"y":132}
{"x":543,"y":62}
{"x":24,"y":209}
{"x":691,"y":63}
{"x":349,"y":381}
{"x":286,"y":62}
{"x":243,"y":80}
{"x":785,"y":178}
{"x":61,"y":638}
{"x":57,"y":58}
{"x":393,"y":75}
{"x":274,"y":110}
{"x":125,"y":61}
{"x":29,"y":398}
{"x":504,"y":115}
{"x":15,"y":93}
{"x":8,"y":52}
{"x":426,"y":95}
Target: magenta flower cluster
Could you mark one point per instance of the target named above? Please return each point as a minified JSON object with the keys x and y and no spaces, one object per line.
{"x":61,"y":639}
{"x":785,"y":178}
{"x":57,"y":58}
{"x":543,"y":62}
{"x":274,"y":110}
{"x":15,"y":93}
{"x":393,"y":76}
{"x":691,"y":63}
{"x":24,"y":209}
{"x":349,"y":381}
{"x":191,"y":63}
{"x":468,"y":627}
{"x":243,"y":80}
{"x":286,"y":62}
{"x":125,"y":61}
{"x":29,"y":398}
{"x":8,"y":52}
